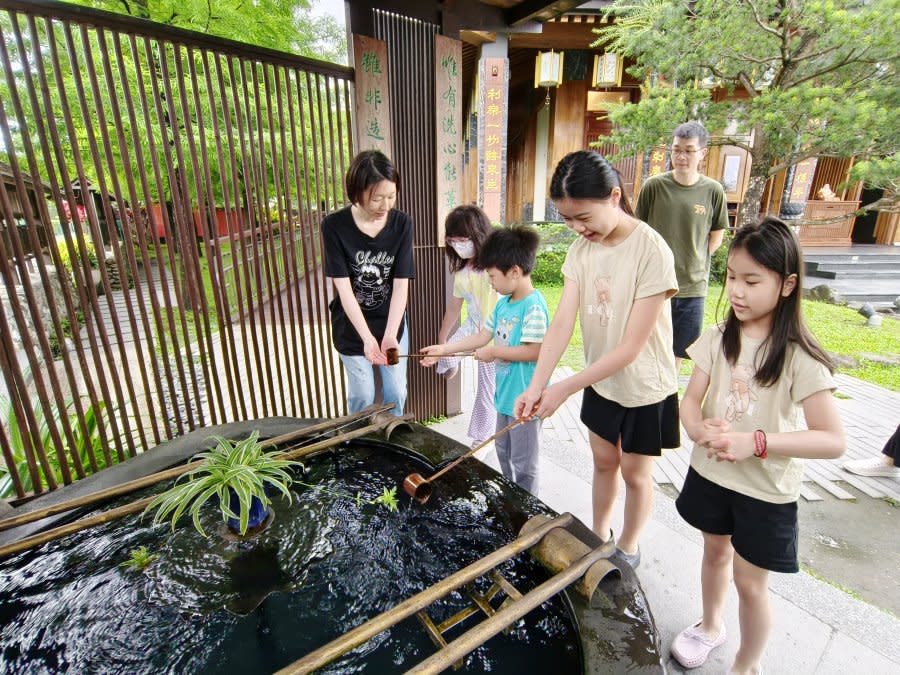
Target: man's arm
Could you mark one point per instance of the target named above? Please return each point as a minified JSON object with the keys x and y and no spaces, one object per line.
{"x":715,"y":240}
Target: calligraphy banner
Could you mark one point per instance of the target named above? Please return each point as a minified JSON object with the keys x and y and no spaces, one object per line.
{"x":803,"y":178}
{"x":492,"y":117}
{"x":448,"y":123}
{"x":373,"y":99}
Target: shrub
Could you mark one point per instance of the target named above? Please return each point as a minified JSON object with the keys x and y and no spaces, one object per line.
{"x":555,"y":241}
{"x":548,"y":267}
{"x":719,"y":260}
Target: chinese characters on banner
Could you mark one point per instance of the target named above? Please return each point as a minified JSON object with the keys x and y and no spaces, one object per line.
{"x":492,"y":116}
{"x":373,"y":100}
{"x":803,"y":177}
{"x":448,"y":123}
{"x":657,"y":163}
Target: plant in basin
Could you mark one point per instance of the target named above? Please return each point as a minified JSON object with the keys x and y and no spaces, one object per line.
{"x":240,"y":474}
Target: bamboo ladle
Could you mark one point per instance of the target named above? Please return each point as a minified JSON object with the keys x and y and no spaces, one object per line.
{"x":393,"y":355}
{"x":419,"y":487}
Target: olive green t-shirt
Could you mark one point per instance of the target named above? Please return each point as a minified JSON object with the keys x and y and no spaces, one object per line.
{"x":685,"y":215}
{"x":735,"y":396}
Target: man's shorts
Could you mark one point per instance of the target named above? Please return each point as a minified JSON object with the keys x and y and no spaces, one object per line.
{"x":687,"y":322}
{"x":762,"y":533}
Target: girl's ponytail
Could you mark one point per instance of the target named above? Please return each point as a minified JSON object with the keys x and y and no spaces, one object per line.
{"x":625,"y":202}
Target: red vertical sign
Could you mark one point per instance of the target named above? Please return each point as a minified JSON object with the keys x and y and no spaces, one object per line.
{"x":492,"y":136}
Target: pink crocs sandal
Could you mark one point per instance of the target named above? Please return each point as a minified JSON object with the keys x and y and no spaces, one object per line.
{"x":691,"y":647}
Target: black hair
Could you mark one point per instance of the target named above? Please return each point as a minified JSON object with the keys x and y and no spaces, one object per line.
{"x":367,"y":169}
{"x":507,"y":247}
{"x":586,"y":174}
{"x":773,"y":245}
{"x":693,"y":129}
{"x":470,"y":222}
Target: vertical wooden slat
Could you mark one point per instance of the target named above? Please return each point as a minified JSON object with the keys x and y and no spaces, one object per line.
{"x":153,"y":122}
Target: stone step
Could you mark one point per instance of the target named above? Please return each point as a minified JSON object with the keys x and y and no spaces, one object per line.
{"x":867,"y":265}
{"x":825,"y":258}
{"x":855,"y":274}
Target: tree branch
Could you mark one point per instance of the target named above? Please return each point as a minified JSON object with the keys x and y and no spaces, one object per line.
{"x":851,"y":58}
{"x":725,"y":140}
{"x":747,"y":84}
{"x":759,"y":22}
{"x":794,"y":158}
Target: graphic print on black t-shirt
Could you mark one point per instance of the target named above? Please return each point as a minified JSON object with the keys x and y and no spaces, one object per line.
{"x":370,"y":274}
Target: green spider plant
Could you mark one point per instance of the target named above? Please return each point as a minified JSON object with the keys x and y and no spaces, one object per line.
{"x":239,"y":466}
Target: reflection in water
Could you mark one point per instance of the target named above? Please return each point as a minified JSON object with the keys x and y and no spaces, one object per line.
{"x":324,"y":565}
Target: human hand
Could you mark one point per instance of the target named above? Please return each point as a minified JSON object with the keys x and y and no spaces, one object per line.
{"x":551,"y":398}
{"x":707,"y":431}
{"x":733,"y":446}
{"x":389,"y":342}
{"x":434,"y":352}
{"x":527,"y":402}
{"x":486,"y":354}
{"x":373,"y":352}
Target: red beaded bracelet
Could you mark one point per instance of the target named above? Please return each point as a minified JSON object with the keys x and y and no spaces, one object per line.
{"x":759,"y":442}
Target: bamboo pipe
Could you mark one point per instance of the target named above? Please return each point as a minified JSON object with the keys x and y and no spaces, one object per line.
{"x":152,"y":479}
{"x":506,"y":615}
{"x":377,"y":624}
{"x":134,"y":507}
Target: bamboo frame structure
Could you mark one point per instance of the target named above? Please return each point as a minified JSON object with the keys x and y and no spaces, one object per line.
{"x":366,"y":631}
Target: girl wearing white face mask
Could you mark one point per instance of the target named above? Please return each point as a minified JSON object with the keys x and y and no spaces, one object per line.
{"x":465,"y":229}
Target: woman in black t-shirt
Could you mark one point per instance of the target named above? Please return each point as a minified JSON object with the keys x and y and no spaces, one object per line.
{"x":368,"y":257}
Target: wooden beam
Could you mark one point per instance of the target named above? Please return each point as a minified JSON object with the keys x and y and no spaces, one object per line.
{"x":538,"y":10}
{"x":557,"y":36}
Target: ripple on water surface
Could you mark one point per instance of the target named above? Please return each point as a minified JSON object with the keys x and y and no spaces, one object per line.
{"x":324,"y":565}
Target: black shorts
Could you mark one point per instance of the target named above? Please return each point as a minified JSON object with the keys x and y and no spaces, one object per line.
{"x":762,"y":533}
{"x":687,"y":322}
{"x":644,"y":430}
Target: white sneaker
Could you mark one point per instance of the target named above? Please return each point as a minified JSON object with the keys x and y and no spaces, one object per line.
{"x":873,"y":466}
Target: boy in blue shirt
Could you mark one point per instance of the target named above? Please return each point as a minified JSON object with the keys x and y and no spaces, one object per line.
{"x":516,"y":327}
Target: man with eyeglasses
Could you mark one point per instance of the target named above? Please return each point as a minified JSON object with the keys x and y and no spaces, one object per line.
{"x":689,"y":211}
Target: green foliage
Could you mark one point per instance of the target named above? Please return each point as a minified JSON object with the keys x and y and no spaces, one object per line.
{"x":239,"y":466}
{"x":139,"y":559}
{"x":555,"y":241}
{"x":243,"y":95}
{"x":86,"y":441}
{"x":66,"y":259}
{"x":285,"y":25}
{"x":548,"y":266}
{"x":812,"y":78}
{"x":387,"y":498}
{"x":437,"y":419}
{"x":720,"y":260}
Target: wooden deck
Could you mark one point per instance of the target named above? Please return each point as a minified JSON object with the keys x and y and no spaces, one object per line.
{"x":870,"y":415}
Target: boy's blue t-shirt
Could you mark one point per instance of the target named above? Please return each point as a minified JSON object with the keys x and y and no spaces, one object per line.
{"x":513,"y":324}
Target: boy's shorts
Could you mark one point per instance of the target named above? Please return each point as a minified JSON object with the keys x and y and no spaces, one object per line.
{"x":644,"y":430}
{"x":762,"y":533}
{"x":687,"y":323}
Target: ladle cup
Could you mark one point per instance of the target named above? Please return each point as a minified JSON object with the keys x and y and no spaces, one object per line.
{"x":419,"y":488}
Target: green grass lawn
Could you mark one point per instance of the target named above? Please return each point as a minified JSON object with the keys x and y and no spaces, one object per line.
{"x":840,"y":330}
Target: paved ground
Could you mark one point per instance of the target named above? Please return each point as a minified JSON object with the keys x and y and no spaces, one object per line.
{"x":819,"y":628}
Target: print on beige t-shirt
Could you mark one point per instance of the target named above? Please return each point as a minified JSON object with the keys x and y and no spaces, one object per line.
{"x":610,"y":279}
{"x":734,"y":395}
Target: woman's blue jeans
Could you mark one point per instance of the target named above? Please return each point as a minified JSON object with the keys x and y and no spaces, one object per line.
{"x":361,"y":380}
